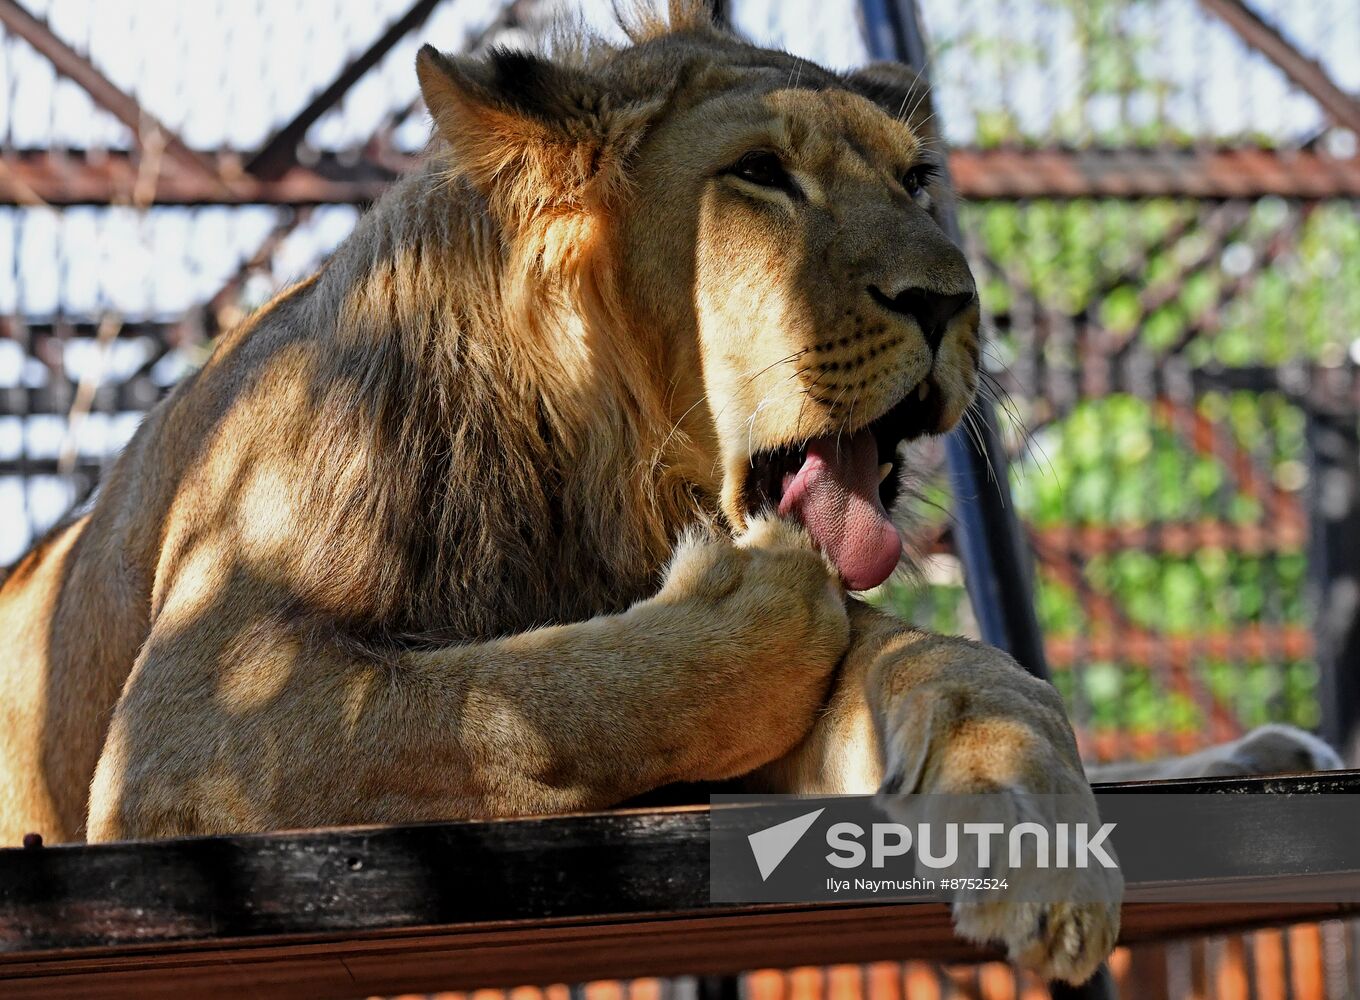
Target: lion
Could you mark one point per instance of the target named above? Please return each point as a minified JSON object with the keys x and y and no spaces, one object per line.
{"x":554,"y":486}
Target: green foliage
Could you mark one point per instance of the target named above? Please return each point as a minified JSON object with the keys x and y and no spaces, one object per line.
{"x":1284,"y":287}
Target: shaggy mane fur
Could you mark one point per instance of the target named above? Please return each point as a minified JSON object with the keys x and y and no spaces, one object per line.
{"x":495,"y":461}
{"x":466,"y":346}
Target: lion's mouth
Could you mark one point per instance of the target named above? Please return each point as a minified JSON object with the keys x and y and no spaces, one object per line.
{"x":841,"y":486}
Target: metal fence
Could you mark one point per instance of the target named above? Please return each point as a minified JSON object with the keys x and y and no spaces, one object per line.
{"x":1158,"y":196}
{"x":1174,"y":294}
{"x":1178,"y":383}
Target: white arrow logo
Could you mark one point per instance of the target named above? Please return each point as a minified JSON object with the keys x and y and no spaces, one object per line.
{"x":772,"y":845}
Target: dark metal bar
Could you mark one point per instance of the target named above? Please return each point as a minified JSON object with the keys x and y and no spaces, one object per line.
{"x":1307,"y":73}
{"x":997,"y":567}
{"x":1334,"y":568}
{"x":280,"y":153}
{"x":71,"y":64}
{"x":717,"y":987}
{"x":1100,"y":985}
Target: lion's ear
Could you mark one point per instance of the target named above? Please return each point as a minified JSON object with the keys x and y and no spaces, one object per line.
{"x":528,"y":132}
{"x":897,"y":89}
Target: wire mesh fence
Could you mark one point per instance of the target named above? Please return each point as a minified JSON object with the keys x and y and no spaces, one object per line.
{"x":1159,"y":203}
{"x":1160,"y":364}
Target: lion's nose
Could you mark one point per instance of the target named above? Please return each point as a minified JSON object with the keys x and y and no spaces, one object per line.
{"x":931,"y":310}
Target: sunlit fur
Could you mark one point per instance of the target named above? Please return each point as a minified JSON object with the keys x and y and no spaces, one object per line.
{"x":487,"y":412}
{"x":455,"y":526}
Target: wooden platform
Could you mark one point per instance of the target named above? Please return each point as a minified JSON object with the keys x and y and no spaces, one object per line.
{"x":355,"y":912}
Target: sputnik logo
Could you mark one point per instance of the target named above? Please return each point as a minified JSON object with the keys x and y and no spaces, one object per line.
{"x":773,"y":844}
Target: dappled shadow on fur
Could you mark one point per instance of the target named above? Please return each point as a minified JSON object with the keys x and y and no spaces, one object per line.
{"x":462,"y":428}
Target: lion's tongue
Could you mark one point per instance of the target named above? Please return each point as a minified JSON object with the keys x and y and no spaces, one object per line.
{"x":835,"y":495}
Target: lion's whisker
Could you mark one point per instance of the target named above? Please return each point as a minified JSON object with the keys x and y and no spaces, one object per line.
{"x":920,"y":99}
{"x":991,"y":388}
{"x":835,"y":403}
{"x":675,"y":428}
{"x":975,"y":434}
{"x":751,"y":425}
{"x":806,"y":392}
{"x":792,"y":357}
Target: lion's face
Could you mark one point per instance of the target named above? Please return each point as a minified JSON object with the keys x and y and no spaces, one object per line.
{"x":816,"y":307}
{"x":769,"y":235}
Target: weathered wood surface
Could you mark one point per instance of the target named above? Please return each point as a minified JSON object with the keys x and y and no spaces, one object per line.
{"x":345,"y":913}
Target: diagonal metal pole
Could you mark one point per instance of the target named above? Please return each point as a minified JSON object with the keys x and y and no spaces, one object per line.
{"x":279,"y":153}
{"x":1308,"y":74}
{"x":997,"y":567}
{"x":16,"y":19}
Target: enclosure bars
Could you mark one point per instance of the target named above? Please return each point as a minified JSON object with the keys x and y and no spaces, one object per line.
{"x":996,"y":568}
{"x":1334,"y":564}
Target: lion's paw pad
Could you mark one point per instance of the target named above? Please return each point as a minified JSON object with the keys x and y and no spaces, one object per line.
{"x":1066,"y":941}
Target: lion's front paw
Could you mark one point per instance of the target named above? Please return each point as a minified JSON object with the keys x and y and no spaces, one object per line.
{"x":1054,"y":917}
{"x":986,"y":743}
{"x":1066,"y":941}
{"x":759,"y":625}
{"x":769,"y":589}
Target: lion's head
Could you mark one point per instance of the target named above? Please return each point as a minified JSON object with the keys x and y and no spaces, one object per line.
{"x":758,"y":231}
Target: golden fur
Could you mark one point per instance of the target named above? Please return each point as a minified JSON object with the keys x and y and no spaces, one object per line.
{"x":393,"y":553}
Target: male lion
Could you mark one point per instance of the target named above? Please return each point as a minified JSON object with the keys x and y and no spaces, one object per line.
{"x":662,"y":312}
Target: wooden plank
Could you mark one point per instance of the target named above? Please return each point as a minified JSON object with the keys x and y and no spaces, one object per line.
{"x":74,"y":178}
{"x":389,"y":964}
{"x":348,"y":912}
{"x":628,"y":864}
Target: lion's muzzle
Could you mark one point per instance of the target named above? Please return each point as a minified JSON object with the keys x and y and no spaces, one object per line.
{"x":932,"y":311}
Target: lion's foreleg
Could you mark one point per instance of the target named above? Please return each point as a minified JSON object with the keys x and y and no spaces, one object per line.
{"x":233,"y":720}
{"x":919,"y":713}
{"x":913,"y":711}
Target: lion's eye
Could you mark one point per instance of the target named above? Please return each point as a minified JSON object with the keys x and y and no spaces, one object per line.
{"x":763,"y":169}
{"x":918,"y":178}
